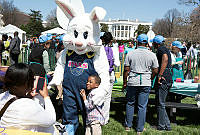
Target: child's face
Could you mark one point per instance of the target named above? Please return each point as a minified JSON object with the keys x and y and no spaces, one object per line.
{"x":91,"y":83}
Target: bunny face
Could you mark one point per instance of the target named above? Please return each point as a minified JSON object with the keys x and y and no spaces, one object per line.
{"x":80,"y":35}
{"x":83,"y":33}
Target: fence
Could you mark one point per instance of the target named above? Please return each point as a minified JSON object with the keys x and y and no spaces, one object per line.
{"x":190,"y":63}
{"x":52,"y":56}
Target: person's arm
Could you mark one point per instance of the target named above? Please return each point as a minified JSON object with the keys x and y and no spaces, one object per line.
{"x":163,"y":67}
{"x":45,"y":57}
{"x":154,"y":72}
{"x":116,"y":56}
{"x":88,"y":103}
{"x":102,"y":68}
{"x":59,"y":70}
{"x":12,"y":43}
{"x":154,"y":66}
{"x":125,"y":75}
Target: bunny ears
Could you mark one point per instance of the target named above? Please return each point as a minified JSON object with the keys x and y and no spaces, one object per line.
{"x":70,"y":11}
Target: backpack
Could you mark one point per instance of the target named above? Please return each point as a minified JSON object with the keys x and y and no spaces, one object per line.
{"x":109,"y":53}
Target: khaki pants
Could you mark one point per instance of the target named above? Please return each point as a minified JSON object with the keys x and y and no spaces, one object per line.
{"x":93,"y":129}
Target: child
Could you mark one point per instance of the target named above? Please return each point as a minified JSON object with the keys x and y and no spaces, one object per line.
{"x":94,"y":119}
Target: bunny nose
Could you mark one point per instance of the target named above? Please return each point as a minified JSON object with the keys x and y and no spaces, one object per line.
{"x":79,"y":44}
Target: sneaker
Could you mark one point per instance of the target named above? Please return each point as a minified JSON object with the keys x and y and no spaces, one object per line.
{"x":140,"y":132}
{"x":127,"y":129}
{"x":161,"y":129}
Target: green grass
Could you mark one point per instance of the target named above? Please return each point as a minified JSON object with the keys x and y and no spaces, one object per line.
{"x":187,"y":121}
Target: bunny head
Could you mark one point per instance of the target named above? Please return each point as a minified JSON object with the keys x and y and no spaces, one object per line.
{"x":83,"y":32}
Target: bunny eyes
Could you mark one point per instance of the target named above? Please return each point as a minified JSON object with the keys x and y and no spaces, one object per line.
{"x":75,"y":33}
{"x":85,"y":35}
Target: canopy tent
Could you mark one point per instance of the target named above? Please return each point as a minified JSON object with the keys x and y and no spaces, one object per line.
{"x":150,"y":34}
{"x":54,"y":31}
{"x":10,"y":29}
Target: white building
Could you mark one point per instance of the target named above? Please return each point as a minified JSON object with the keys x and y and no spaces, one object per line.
{"x":124,"y":29}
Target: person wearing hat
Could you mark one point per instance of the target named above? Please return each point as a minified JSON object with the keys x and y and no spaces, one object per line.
{"x":177,"y":60}
{"x":163,"y":82}
{"x":140,"y":66}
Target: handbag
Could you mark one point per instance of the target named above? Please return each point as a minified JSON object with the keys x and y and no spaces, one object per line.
{"x":6,"y":106}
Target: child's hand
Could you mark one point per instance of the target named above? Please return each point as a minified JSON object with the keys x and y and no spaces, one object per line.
{"x":83,"y":94}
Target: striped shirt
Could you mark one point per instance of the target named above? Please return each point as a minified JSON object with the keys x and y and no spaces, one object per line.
{"x":94,"y":112}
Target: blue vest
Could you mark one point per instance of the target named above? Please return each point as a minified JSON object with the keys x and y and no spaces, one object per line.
{"x":77,"y":70}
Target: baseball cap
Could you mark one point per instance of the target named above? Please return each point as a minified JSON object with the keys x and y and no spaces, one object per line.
{"x":158,"y":39}
{"x":142,"y":38}
{"x":49,"y":36}
{"x":177,"y":44}
{"x":43,"y":38}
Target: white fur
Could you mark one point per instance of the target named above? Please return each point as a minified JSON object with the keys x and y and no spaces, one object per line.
{"x":82,"y":23}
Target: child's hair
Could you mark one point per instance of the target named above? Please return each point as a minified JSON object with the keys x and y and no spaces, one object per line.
{"x":18,"y":75}
{"x":97,"y":78}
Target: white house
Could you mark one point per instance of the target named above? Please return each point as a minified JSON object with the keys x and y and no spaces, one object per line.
{"x":124,"y":29}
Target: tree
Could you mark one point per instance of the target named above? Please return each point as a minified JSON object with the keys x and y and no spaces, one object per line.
{"x":34,"y":26}
{"x":52,"y":20}
{"x":8,"y":11}
{"x":160,"y":27}
{"x":190,"y":2}
{"x":167,"y":26}
{"x":195,"y":22}
{"x":172,"y":17}
{"x":104,"y":27}
{"x":142,"y":29}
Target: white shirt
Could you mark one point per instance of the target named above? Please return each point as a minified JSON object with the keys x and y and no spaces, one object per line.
{"x":27,"y":114}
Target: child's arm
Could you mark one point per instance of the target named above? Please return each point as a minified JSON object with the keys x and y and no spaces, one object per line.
{"x":88,"y":103}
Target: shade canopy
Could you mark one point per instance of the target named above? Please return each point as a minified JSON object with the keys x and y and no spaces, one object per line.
{"x":54,"y":31}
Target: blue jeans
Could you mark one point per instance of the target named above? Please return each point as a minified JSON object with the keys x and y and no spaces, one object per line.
{"x":71,"y":105}
{"x":141,"y":94}
{"x":161,"y":95}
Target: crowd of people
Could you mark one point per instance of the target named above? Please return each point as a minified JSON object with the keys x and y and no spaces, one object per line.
{"x":143,"y":69}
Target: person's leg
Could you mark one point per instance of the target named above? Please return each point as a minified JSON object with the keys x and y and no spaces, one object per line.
{"x":70,"y":112}
{"x":130,"y":95}
{"x":106,"y":107}
{"x":16,"y":58}
{"x":163,"y":119}
{"x":96,"y":128}
{"x":143,"y":96}
{"x":12,"y":59}
{"x":88,"y":130}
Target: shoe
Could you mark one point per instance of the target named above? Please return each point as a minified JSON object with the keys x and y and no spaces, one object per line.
{"x":127,"y":129}
{"x":140,"y":132}
{"x":161,"y":129}
{"x":167,"y":129}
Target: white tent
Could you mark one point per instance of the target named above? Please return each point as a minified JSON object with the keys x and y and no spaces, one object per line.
{"x":55,"y":30}
{"x":10,"y":29}
{"x":150,"y":34}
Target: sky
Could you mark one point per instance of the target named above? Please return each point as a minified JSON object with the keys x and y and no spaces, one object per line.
{"x":143,"y":10}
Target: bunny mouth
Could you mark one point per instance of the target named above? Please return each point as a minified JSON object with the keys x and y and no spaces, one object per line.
{"x":80,"y":50}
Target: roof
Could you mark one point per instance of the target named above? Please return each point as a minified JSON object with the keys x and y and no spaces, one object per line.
{"x":55,"y":30}
{"x":10,"y":29}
